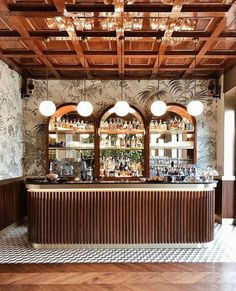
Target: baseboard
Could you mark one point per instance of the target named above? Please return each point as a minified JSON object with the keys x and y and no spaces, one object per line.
{"x":225,"y":221}
{"x":13,"y":225}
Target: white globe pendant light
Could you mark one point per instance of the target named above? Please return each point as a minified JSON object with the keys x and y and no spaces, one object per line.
{"x":195,"y":108}
{"x":47,"y":108}
{"x":121,"y":108}
{"x":158,"y":108}
{"x":85,"y":108}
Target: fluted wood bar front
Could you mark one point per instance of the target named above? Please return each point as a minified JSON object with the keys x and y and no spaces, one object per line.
{"x":121,"y":215}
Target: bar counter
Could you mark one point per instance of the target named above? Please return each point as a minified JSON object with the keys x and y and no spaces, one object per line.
{"x":120,"y":214}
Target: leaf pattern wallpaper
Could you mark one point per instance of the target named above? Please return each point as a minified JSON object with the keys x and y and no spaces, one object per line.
{"x":11,"y":124}
{"x":104,"y":93}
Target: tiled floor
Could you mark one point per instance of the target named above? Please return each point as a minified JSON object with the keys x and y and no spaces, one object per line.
{"x":14,"y":248}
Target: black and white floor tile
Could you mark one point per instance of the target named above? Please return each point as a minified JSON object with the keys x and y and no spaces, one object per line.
{"x":14,"y":248}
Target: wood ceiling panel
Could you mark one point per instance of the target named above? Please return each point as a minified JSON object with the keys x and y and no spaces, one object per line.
{"x":118,"y":53}
{"x":212,"y":62}
{"x":101,"y":45}
{"x":38,"y":23}
{"x":206,"y":2}
{"x":223,"y":45}
{"x":64,"y":61}
{"x":27,"y":61}
{"x":3,"y":25}
{"x":179,"y":61}
{"x":14,"y":45}
{"x":232,"y":27}
{"x":101,"y":61}
{"x":139,"y":45}
{"x":140,"y":61}
{"x":202,"y":24}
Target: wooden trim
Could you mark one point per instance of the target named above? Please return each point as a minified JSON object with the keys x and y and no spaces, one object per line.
{"x":121,"y":217}
{"x":12,"y":180}
{"x":12,"y":202}
{"x":226,"y":199}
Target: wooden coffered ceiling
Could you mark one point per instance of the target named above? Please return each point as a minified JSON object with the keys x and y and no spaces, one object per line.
{"x":25,"y":29}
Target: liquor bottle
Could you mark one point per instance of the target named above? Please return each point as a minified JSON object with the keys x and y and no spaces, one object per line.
{"x":118,"y":142}
{"x":152,"y":124}
{"x":130,"y":125}
{"x":133,"y":144}
{"x":139,"y":142}
{"x":137,"y":125}
{"x":122,"y":142}
{"x":125,"y":125}
{"x":133,"y":123}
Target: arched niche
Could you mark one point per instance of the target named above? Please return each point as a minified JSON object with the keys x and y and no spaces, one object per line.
{"x":70,"y":143}
{"x":122,"y":144}
{"x":172,"y":139}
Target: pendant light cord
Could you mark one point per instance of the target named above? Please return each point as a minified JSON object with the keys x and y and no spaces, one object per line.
{"x":121,"y":64}
{"x":47,"y":65}
{"x":83,"y":38}
{"x":158,"y":64}
{"x":195,"y":67}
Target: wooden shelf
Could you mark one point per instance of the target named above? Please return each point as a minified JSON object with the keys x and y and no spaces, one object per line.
{"x":70,"y":148}
{"x":121,"y":131}
{"x":171,"y":148}
{"x":171,"y":131}
{"x":72,"y":131}
{"x":121,"y":148}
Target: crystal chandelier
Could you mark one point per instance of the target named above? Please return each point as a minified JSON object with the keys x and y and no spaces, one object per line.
{"x":164,"y":24}
{"x":121,"y":21}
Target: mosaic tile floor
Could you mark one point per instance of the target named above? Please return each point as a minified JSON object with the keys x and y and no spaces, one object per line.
{"x":14,"y":248}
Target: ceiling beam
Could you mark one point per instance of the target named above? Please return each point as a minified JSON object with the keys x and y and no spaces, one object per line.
{"x":19,"y":8}
{"x":219,"y":28}
{"x":227,"y":54}
{"x":177,"y":7}
{"x":60,"y":5}
{"x":19,"y":23}
{"x":63,"y":35}
{"x":126,"y":68}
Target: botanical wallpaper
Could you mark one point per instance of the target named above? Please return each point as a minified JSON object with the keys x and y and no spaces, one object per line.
{"x":11,"y":124}
{"x":105,"y":93}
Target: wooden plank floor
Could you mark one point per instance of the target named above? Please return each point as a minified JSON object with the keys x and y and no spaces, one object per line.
{"x":162,"y":276}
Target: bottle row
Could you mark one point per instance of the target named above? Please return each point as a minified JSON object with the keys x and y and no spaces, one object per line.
{"x":121,"y":124}
{"x":122,"y":167}
{"x":122,"y":141}
{"x":64,"y":123}
{"x":171,"y":124}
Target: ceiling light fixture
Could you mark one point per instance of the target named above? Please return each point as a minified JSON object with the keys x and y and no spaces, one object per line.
{"x":195,"y":107}
{"x":158,"y":107}
{"x":47,"y":107}
{"x":121,"y":107}
{"x":84,"y":108}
